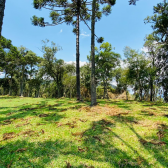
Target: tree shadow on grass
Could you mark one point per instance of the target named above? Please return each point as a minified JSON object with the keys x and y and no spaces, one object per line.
{"x":41,"y":110}
{"x":158,"y":150}
{"x":8,"y":97}
{"x":95,"y":146}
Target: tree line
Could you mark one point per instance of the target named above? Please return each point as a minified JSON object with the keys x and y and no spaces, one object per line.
{"x":146,"y":73}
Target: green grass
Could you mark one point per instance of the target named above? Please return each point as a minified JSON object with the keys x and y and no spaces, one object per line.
{"x":51,"y":133}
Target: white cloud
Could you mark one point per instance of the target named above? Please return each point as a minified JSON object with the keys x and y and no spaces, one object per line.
{"x":81,"y":63}
{"x":61,"y":31}
{"x":74,"y":55}
{"x":84,"y":34}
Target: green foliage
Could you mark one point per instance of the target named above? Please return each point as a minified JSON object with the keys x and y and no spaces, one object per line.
{"x":159,"y":23}
{"x":137,"y":69}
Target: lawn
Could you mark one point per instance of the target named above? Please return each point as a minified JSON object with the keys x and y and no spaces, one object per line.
{"x":64,"y":133}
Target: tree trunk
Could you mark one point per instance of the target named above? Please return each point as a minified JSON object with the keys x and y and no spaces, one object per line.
{"x":93,"y":84}
{"x":22,"y":80}
{"x":2,"y":8}
{"x":151,"y":93}
{"x":77,"y":53}
{"x":104,"y":96}
{"x":10,"y":87}
{"x":4,"y":87}
{"x":106,"y":91}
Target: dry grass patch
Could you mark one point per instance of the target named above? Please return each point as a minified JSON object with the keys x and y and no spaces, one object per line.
{"x":9,"y":135}
{"x":108,"y":110}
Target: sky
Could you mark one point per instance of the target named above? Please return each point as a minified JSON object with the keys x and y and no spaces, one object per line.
{"x":123,"y":27}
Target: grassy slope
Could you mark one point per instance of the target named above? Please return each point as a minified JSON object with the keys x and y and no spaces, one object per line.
{"x":83,"y":137}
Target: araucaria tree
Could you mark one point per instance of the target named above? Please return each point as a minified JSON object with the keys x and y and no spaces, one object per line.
{"x":96,"y":14}
{"x":68,"y":12}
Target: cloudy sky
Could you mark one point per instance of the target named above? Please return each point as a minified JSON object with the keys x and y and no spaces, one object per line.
{"x":123,"y":27}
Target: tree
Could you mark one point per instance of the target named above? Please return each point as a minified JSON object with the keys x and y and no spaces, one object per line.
{"x":137,"y":70}
{"x":69,"y":79}
{"x":32,"y":62}
{"x":85,"y":80}
{"x":22,"y":68}
{"x":2,"y":8}
{"x":121,"y":80}
{"x":52,"y":67}
{"x":159,"y":23}
{"x":9,"y":60}
{"x":96,"y":14}
{"x":106,"y":60}
{"x":152,"y":50}
{"x":62,"y":11}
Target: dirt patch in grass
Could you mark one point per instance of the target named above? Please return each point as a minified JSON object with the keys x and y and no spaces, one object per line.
{"x":21,"y":125}
{"x":21,"y":150}
{"x":43,"y":115}
{"x":108,"y":110}
{"x":9,"y":135}
{"x":28,"y":132}
{"x":71,"y":124}
{"x":8,"y":114}
{"x":154,"y":142}
{"x":7,"y":122}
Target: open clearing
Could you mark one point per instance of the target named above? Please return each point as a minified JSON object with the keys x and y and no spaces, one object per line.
{"x":36,"y":132}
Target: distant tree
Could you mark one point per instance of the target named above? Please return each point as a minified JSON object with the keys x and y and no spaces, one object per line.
{"x":152,"y":51}
{"x":2,"y":8}
{"x":159,"y":23}
{"x":9,"y":60}
{"x":22,"y":70}
{"x":120,"y":75}
{"x":69,"y":81}
{"x":32,"y":61}
{"x":106,"y":60}
{"x":52,"y":67}
{"x":86,"y":80}
{"x":137,"y":70}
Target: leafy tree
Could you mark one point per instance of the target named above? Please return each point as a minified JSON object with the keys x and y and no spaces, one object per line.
{"x":69,"y":79}
{"x":159,"y":23}
{"x":22,"y":70}
{"x":85,"y":80}
{"x":106,"y":60}
{"x":152,"y":47}
{"x":9,"y":60}
{"x":53,"y":67}
{"x":137,"y":70}
{"x":32,"y":61}
{"x":121,"y":79}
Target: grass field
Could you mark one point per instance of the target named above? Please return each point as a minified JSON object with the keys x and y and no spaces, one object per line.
{"x":63,"y":133}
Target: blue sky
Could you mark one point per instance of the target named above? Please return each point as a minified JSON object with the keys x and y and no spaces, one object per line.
{"x":123,"y":27}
